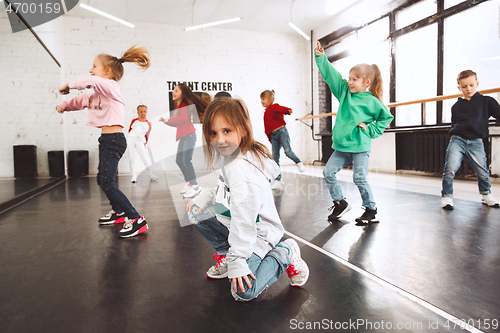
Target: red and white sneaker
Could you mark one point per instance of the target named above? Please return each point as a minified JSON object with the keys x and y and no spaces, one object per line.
{"x":134,"y":227}
{"x":298,"y":271}
{"x":219,"y":270}
{"x":112,"y":217}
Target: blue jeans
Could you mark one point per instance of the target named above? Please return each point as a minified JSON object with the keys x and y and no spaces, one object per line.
{"x":336,"y":162}
{"x":280,"y":138}
{"x":112,"y":147}
{"x":473,"y":150}
{"x":267,"y":270}
{"x":185,"y":155}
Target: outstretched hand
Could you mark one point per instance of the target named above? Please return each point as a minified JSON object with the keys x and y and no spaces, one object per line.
{"x":59,"y":109}
{"x":319,"y":50}
{"x":239,"y":282}
{"x":64,"y":90}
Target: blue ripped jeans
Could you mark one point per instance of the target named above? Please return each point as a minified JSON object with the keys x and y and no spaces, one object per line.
{"x":267,"y":270}
{"x":473,"y":151}
{"x":112,"y":148}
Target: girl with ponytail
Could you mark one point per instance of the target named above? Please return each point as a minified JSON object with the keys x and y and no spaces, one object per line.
{"x":361,"y":117}
{"x":106,"y":111}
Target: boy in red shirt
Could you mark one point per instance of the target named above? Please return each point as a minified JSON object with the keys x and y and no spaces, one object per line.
{"x":276,"y":131}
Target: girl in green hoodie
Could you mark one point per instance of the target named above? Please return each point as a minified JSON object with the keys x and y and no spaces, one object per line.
{"x":361,"y":117}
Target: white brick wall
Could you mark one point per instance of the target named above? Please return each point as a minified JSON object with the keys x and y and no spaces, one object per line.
{"x":28,"y":94}
{"x":251,"y":61}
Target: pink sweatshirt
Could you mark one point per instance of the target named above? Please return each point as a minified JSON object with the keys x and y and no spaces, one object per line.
{"x":105,"y":105}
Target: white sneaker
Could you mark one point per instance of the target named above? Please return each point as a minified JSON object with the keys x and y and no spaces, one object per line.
{"x":153,"y":178}
{"x":194,"y":191}
{"x":488,"y":199}
{"x":219,"y":270}
{"x":447,"y":203}
{"x":186,"y":188}
{"x":298,"y":271}
{"x":301,"y":167}
{"x":134,"y":179}
{"x":277,"y":184}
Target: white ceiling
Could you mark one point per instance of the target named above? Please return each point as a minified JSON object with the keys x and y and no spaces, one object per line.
{"x":261,"y":15}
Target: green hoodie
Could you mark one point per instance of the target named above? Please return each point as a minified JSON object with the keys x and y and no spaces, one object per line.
{"x":356,"y":108}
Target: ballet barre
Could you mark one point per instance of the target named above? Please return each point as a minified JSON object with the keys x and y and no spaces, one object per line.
{"x":420,"y":101}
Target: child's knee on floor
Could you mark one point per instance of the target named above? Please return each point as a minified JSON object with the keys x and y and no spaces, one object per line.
{"x":248,"y":295}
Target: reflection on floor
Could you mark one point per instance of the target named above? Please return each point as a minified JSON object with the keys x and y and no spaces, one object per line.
{"x":61,"y":272}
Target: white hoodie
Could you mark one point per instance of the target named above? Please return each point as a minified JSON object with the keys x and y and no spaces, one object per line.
{"x":244,"y":203}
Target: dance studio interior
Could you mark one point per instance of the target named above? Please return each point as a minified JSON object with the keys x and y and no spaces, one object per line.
{"x":420,"y":267}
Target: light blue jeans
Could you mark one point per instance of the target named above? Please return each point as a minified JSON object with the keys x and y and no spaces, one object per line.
{"x":336,"y":162}
{"x":267,"y":270}
{"x":473,"y":151}
{"x":281,"y":138}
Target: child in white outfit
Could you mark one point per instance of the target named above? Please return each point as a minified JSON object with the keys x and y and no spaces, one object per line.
{"x":139,"y":131}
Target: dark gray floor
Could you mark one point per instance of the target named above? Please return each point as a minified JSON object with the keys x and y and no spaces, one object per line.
{"x":12,"y":188}
{"x":61,"y":272}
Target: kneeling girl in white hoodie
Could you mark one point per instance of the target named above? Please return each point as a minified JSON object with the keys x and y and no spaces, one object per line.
{"x":246,"y":229}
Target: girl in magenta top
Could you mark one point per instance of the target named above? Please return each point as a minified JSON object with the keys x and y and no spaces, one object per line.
{"x":274,"y":125}
{"x":188,"y":105}
{"x":106,"y":111}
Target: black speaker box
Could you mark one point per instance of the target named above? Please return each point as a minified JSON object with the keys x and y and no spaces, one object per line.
{"x":78,"y":163}
{"x":56,"y":163}
{"x":25,"y":162}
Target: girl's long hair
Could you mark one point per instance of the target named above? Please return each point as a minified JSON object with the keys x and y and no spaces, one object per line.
{"x":235,"y":112}
{"x":190,"y":98}
{"x":137,"y":55}
{"x":372,"y":73}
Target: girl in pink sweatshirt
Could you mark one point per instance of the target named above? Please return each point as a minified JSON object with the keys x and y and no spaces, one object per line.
{"x":106,"y":111}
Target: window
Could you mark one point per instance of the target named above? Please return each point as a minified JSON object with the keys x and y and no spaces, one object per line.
{"x":471,"y":41}
{"x":416,"y":78}
{"x":415,"y":13}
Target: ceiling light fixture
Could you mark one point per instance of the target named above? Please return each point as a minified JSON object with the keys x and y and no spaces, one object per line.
{"x":299,"y":31}
{"x":294,"y":27}
{"x":213,"y":23}
{"x":97,"y":11}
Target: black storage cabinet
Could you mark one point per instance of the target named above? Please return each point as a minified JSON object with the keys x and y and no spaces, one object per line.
{"x":78,"y":163}
{"x":25,"y":162}
{"x":56,"y":163}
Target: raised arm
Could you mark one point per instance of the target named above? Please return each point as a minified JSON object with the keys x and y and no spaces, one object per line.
{"x":332,"y":77}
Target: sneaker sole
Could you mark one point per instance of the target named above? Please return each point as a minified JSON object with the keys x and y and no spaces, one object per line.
{"x":495,"y":205}
{"x":367,"y":221}
{"x":218,"y":277}
{"x":120,"y":220}
{"x":191,"y":195}
{"x":448,"y":207}
{"x":140,"y":231}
